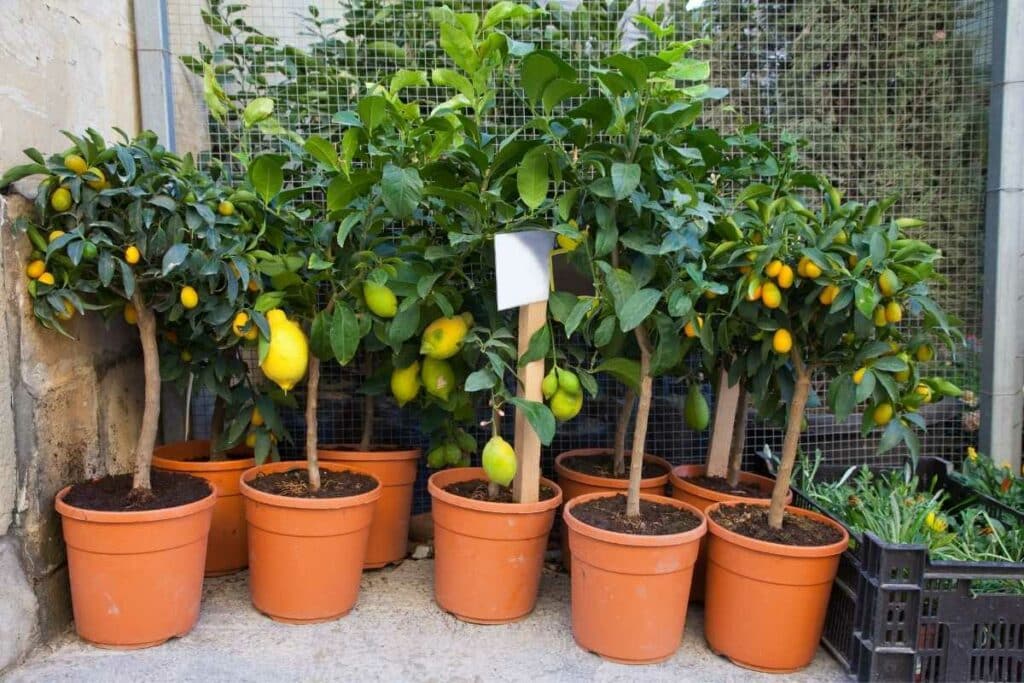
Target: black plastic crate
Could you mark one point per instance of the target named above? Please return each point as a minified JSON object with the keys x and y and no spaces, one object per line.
{"x":896,"y":615}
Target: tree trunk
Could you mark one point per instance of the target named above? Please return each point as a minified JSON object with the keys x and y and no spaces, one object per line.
{"x":217,"y":428}
{"x":369,"y":405}
{"x":643,"y":411}
{"x":151,"y":410}
{"x":739,"y":439}
{"x":621,"y":427}
{"x":791,"y":443}
{"x":312,"y":389}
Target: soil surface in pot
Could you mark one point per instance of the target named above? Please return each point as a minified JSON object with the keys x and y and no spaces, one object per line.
{"x":221,"y":458}
{"x":350,"y":448}
{"x":476,"y":489}
{"x":295,"y":484}
{"x":604,"y":466}
{"x":656,"y":519}
{"x":752,"y":521}
{"x":114,"y":493}
{"x":722,"y":485}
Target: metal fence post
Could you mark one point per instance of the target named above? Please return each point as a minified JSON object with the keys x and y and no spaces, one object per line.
{"x":1002,"y":379}
{"x":153,"y":61}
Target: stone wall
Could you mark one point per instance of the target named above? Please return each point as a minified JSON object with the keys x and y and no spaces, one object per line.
{"x":74,"y":405}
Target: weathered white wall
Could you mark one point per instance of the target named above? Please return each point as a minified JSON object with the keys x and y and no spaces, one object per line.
{"x":67,"y":409}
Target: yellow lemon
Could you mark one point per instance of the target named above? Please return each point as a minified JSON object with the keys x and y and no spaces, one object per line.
{"x":879,"y":316}
{"x":811,"y":270}
{"x":380,"y":299}
{"x":405,"y":383}
{"x":499,"y":461}
{"x":858,"y":376}
{"x":755,"y":293}
{"x":785,"y":278}
{"x":131,"y":316}
{"x":132,"y":255}
{"x":774,"y":268}
{"x":782,"y":341}
{"x":257,"y":418}
{"x":690,"y":330}
{"x":287,"y":351}
{"x":238,"y":325}
{"x":771,"y":297}
{"x":925,"y":353}
{"x":566,"y":242}
{"x":888,"y":283}
{"x":568,"y":381}
{"x":99,"y":182}
{"x":60,"y":200}
{"x":565,"y":405}
{"x":225,"y":208}
{"x":75,"y":164}
{"x":925,"y":392}
{"x":549,"y":386}
{"x":189,"y":297}
{"x":46,"y":279}
{"x":893,"y":312}
{"x":443,"y":338}
{"x":186,"y":356}
{"x":882,"y":413}
{"x":438,"y":377}
{"x":35,"y":269}
{"x":828,"y":295}
{"x":55,"y":235}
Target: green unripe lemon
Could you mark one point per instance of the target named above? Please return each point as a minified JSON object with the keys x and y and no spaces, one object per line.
{"x":380,"y":299}
{"x":499,"y":460}
{"x":695,"y":409}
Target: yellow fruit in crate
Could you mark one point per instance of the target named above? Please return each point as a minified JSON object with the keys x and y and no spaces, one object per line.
{"x":405,"y":383}
{"x":189,"y":297}
{"x":782,"y":341}
{"x":771,"y":297}
{"x":499,"y":461}
{"x":132,"y":255}
{"x":76,"y":164}
{"x":443,"y":338}
{"x":35,"y":269}
{"x":60,"y":200}
{"x":882,"y":414}
{"x":257,"y":418}
{"x":888,"y":283}
{"x":785,"y":278}
{"x":287,"y":351}
{"x":380,"y":299}
{"x":438,"y":377}
{"x":565,"y":405}
{"x":893,"y":312}
{"x":46,"y":279}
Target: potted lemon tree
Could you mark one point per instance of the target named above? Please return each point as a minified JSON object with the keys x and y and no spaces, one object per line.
{"x":853,"y":317}
{"x":124,"y":229}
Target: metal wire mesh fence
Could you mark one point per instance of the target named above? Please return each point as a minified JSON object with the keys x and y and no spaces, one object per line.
{"x":891,"y":94}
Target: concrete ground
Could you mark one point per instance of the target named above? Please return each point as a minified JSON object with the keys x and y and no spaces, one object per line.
{"x":395,"y":633}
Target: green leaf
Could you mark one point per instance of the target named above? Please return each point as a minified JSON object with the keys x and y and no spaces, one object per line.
{"x":341,"y":190}
{"x":403,"y":325}
{"x":865,"y":298}
{"x":560,"y":89}
{"x":320,"y":336}
{"x":480,"y":380}
{"x":532,"y":178}
{"x":459,"y":47}
{"x":407,"y":78}
{"x":258,"y":110}
{"x":372,"y":111}
{"x":536,"y":71}
{"x":668,"y":351}
{"x":18,"y":172}
{"x":344,"y":334}
{"x":625,"y":178}
{"x":845,"y":397}
{"x":626,"y":370}
{"x":174,"y":257}
{"x":604,"y":332}
{"x":632,"y":68}
{"x":539,"y":346}
{"x":501,"y":11}
{"x":637,"y":308}
{"x":401,"y":190}
{"x":267,"y":176}
{"x":540,"y":418}
{"x":690,"y":70}
{"x":579,"y":312}
{"x":865,"y":388}
{"x":322,"y":150}
{"x":597,"y":110}
{"x":449,"y":78}
{"x":268,"y":300}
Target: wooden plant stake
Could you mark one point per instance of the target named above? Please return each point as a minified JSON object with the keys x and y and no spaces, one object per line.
{"x":726,"y":399}
{"x":526,"y":485}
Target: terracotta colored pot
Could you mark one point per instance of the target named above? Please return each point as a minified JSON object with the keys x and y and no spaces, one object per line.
{"x":227,"y":551}
{"x":306,"y":554}
{"x":576,"y":484}
{"x":396,"y":471}
{"x":701,"y":498}
{"x":136,"y":577}
{"x":487,"y":556}
{"x":764,"y":603}
{"x":630,"y":592}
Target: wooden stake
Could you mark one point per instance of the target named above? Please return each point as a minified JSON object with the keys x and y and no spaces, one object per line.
{"x":726,"y":398}
{"x":526,"y":486}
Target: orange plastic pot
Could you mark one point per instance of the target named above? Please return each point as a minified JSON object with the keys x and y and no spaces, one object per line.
{"x":487,"y":556}
{"x":575,"y":484}
{"x":630,"y":592}
{"x":136,"y":577}
{"x":396,"y":471}
{"x":764,"y":603}
{"x":305,"y":554}
{"x":227,"y":551}
{"x":702,"y":498}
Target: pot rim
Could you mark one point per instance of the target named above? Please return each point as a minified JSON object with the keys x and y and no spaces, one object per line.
{"x":769,"y":548}
{"x":136,"y":516}
{"x":348,"y":451}
{"x":306,"y":503}
{"x":717,"y":496}
{"x":635,"y":540}
{"x":593,"y":480}
{"x":457,"y":474}
{"x":180,"y":465}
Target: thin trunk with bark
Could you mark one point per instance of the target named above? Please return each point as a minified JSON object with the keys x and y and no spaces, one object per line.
{"x":739,"y":439}
{"x":621,"y":428}
{"x":151,"y":409}
{"x":791,"y":443}
{"x":312,"y":389}
{"x":643,"y":411}
{"x":369,"y":405}
{"x":217,"y":428}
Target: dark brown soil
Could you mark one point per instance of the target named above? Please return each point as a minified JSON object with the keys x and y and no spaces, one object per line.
{"x":354,"y":448}
{"x":221,"y":458}
{"x":722,"y":485}
{"x":656,"y":519}
{"x":115,"y":493}
{"x":604,"y":465}
{"x":476,"y":489}
{"x":752,"y":521}
{"x":295,"y":484}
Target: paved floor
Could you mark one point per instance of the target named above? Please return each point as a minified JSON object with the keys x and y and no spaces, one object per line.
{"x":395,"y":633}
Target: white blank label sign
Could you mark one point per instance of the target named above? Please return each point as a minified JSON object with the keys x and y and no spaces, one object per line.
{"x":522,"y":267}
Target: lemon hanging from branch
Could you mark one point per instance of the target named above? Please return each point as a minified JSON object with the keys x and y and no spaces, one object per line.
{"x":287,"y":351}
{"x":499,"y":461}
{"x":443,"y":338}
